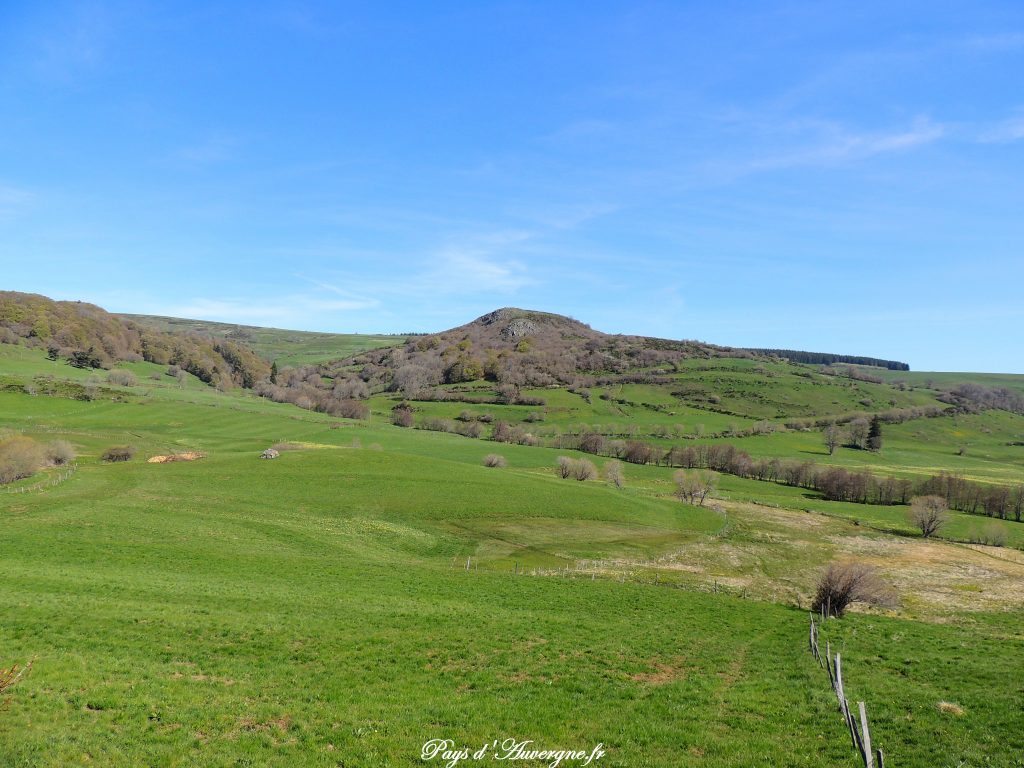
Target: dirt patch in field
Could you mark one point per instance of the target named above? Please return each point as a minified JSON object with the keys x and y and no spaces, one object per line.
{"x":187,"y":456}
{"x":661,"y":672}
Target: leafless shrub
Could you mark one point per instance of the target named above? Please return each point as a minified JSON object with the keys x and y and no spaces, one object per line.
{"x":122,"y":378}
{"x":401,"y":415}
{"x":60,"y":452}
{"x":929,"y":514}
{"x":436,"y":424}
{"x":843,"y":584}
{"x":19,"y":457}
{"x":494,"y":460}
{"x":992,"y":535}
{"x":564,"y":466}
{"x":118,"y":453}
{"x":584,"y":469}
{"x":470,"y":429}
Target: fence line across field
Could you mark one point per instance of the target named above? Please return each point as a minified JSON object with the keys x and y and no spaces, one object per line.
{"x":54,"y":481}
{"x":860,"y":733}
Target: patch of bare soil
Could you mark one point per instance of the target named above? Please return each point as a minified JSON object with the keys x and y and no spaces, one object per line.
{"x":187,"y":456}
{"x":661,"y":672}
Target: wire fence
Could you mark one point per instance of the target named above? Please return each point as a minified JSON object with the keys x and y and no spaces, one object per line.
{"x":50,"y":482}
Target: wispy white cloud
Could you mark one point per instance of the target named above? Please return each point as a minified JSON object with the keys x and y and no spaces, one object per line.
{"x":1004,"y":132}
{"x":844,"y":145}
{"x":481,"y":264}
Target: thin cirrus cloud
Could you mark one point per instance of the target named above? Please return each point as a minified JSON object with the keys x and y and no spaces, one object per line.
{"x":844,"y":145}
{"x":1005,"y":132}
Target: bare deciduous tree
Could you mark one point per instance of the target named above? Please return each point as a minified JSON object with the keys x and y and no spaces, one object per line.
{"x":564,"y":465}
{"x":929,"y":514}
{"x":831,"y":438}
{"x":613,"y":473}
{"x":843,"y":584}
{"x":859,"y":429}
{"x":584,"y":470}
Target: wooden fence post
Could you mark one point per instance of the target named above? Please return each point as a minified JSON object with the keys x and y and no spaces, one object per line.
{"x":865,"y":735}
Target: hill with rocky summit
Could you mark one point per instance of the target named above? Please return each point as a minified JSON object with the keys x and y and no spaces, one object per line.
{"x":509,"y":347}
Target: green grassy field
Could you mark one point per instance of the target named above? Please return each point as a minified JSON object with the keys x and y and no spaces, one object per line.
{"x":317,"y":610}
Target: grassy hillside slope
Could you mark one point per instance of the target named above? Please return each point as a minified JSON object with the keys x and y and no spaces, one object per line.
{"x":317,"y":610}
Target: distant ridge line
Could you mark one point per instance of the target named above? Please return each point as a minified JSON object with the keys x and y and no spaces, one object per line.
{"x":827,"y":358}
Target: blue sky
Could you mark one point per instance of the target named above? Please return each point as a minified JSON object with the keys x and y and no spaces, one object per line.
{"x":840,"y":177}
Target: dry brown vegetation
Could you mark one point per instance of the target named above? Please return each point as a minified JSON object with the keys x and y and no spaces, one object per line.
{"x":22,"y":457}
{"x":843,"y":584}
{"x":10,"y":676}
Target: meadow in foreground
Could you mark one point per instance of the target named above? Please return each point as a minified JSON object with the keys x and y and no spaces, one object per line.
{"x":316,"y":609}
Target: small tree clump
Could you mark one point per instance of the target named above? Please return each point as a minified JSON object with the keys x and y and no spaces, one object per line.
{"x":401,"y":415}
{"x":494,"y":460}
{"x":695,"y":487}
{"x":577,"y":469}
{"x":118,"y":453}
{"x":843,"y":584}
{"x":929,"y":514}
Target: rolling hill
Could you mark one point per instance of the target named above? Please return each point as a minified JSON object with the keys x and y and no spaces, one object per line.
{"x":377,"y":586}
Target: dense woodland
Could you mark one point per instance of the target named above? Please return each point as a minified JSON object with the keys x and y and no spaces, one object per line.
{"x":89,"y":337}
{"x":826,"y":358}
